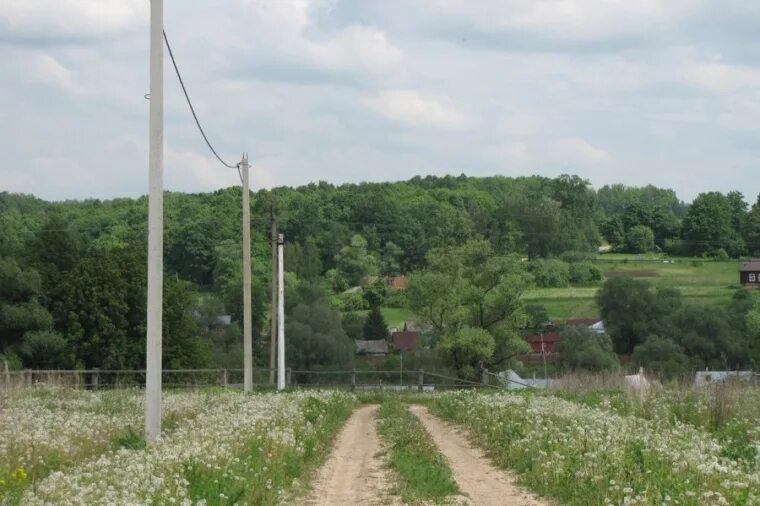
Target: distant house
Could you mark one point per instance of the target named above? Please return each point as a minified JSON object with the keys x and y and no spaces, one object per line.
{"x":411,"y":326}
{"x":405,"y":340}
{"x":749,"y":273}
{"x":372,"y":347}
{"x":594,"y":324}
{"x":397,"y":282}
{"x":543,"y":348}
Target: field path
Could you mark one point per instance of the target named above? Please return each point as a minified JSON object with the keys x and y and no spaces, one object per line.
{"x":478,"y":480}
{"x":355,"y":472}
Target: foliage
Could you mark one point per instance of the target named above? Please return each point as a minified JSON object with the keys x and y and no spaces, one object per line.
{"x":715,"y":221}
{"x":639,"y":239}
{"x":662,"y":356}
{"x":375,"y":327}
{"x":584,"y":274}
{"x":583,"y":349}
{"x":579,"y":454}
{"x":550,"y":273}
{"x":467,"y":348}
{"x":355,"y":262}
{"x":471,"y":286}
{"x":424,"y":474}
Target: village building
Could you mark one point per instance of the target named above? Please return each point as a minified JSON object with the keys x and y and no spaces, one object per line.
{"x":749,"y":273}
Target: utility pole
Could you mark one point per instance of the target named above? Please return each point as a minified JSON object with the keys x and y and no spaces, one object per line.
{"x":280,"y":314}
{"x":247,"y":320}
{"x":275,"y":274}
{"x":155,"y":225}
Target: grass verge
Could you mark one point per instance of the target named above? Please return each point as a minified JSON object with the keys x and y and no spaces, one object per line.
{"x":424,"y":473}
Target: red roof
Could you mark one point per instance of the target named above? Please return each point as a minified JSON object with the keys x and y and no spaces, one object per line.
{"x":405,"y":340}
{"x":398,"y":282}
{"x":543,"y":343}
{"x":551,"y":337}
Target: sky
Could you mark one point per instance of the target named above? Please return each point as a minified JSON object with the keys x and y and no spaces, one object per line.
{"x":616,"y":91}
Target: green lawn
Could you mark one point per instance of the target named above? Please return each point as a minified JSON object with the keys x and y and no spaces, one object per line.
{"x":700,"y":281}
{"x":396,"y":316}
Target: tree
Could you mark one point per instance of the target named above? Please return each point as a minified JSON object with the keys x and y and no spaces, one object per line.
{"x":467,"y":349}
{"x":391,"y":258}
{"x":662,"y":356}
{"x":709,"y":224}
{"x":44,"y":350}
{"x":639,"y":239}
{"x":581,"y":348}
{"x":20,"y":310}
{"x":626,"y":306}
{"x":375,"y":327}
{"x":470,"y":286}
{"x":355,"y":262}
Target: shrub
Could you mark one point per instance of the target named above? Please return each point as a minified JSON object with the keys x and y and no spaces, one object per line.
{"x":584,"y":274}
{"x":350,"y":302}
{"x":550,"y":273}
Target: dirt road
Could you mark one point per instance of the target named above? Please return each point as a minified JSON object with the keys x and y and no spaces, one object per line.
{"x":478,"y":480}
{"x":355,"y":471}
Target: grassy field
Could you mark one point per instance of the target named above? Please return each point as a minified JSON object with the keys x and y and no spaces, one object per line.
{"x":396,"y":316}
{"x":699,"y":280}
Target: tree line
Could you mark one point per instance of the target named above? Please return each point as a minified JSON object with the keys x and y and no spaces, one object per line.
{"x":72,"y":274}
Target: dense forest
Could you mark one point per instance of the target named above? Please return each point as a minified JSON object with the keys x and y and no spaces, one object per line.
{"x":72,"y":274}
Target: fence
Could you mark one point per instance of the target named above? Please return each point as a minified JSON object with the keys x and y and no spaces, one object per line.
{"x":95,"y":379}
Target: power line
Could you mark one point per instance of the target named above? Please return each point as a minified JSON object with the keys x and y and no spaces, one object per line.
{"x":192,"y":109}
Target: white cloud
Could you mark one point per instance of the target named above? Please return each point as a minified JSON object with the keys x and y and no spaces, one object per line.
{"x":44,"y":68}
{"x":577,"y":150}
{"x":721,"y":77}
{"x":187,"y":170}
{"x":418,"y":108}
{"x":569,"y":19}
{"x":357,"y":47}
{"x":50,"y":19}
{"x":289,"y":30}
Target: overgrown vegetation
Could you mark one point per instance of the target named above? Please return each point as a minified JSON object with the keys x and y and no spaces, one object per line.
{"x":424,"y":475}
{"x":588,"y":454}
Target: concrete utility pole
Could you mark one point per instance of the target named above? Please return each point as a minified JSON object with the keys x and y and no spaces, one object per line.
{"x":155,"y":225}
{"x":280,"y":314}
{"x":273,"y":338}
{"x":247,"y":319}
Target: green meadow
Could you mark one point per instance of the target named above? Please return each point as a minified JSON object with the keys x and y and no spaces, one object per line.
{"x":699,"y":280}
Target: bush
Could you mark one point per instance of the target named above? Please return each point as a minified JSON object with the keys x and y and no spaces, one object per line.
{"x":396,"y":298}
{"x":550,"y":273}
{"x":719,"y":255}
{"x":350,"y":302}
{"x":577,"y":256}
{"x":43,"y":350}
{"x":584,"y":274}
{"x":662,"y":356}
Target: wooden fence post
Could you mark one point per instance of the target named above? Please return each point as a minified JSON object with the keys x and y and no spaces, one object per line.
{"x":420,"y":380}
{"x":95,"y":378}
{"x":484,"y":376}
{"x":353,"y":380}
{"x":6,"y":374}
{"x":28,"y":378}
{"x":289,"y":376}
{"x":224,"y":378}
